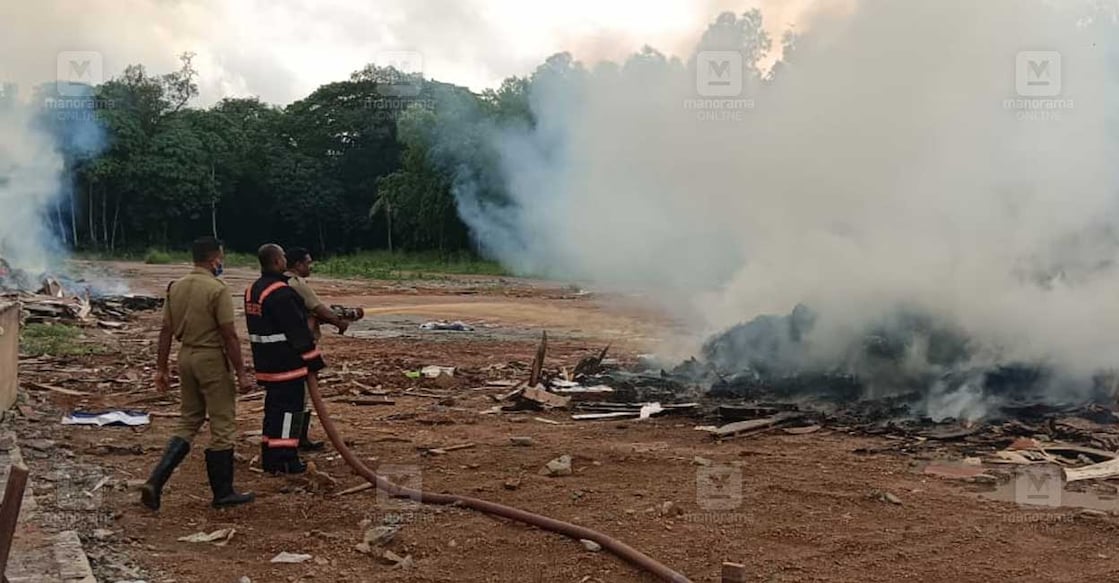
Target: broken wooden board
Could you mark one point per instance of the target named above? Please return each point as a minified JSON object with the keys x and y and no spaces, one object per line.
{"x":1096,"y":455}
{"x":358,"y":488}
{"x":538,"y":361}
{"x":951,"y":433}
{"x":1100,"y":471}
{"x":444,"y":450}
{"x":581,"y":390}
{"x":741,"y":427}
{"x":368,"y":401}
{"x":1010,"y":457}
{"x":538,"y":395}
{"x":54,"y":389}
{"x":591,"y":364}
{"x":614,"y":415}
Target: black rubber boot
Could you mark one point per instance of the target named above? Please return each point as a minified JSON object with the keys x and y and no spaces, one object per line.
{"x":152,"y":490}
{"x":219,"y":467}
{"x":305,"y":443}
{"x":281,"y":460}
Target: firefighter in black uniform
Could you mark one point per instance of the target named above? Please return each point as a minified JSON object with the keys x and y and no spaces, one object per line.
{"x":284,"y":355}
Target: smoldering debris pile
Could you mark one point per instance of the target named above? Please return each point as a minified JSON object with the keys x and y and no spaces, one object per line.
{"x":45,"y":298}
{"x":909,"y":365}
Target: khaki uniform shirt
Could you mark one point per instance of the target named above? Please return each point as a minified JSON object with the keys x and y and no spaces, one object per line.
{"x":310,"y":298}
{"x":196,"y":306}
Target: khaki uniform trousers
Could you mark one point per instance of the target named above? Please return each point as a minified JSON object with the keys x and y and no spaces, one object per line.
{"x":208,"y":389}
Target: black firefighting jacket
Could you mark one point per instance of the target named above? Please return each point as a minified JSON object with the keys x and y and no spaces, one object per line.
{"x":283,"y":347}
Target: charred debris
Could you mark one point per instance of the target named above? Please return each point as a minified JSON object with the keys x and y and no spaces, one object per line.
{"x":910,"y":378}
{"x":56,"y":298}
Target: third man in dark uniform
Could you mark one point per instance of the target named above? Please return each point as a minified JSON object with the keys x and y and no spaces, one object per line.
{"x":284,"y":355}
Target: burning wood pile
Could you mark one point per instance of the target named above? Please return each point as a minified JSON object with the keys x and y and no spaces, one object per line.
{"x":46,"y":299}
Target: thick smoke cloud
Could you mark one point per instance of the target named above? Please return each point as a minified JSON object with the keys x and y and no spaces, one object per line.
{"x":889,"y":163}
{"x":30,"y":172}
{"x":41,"y":139}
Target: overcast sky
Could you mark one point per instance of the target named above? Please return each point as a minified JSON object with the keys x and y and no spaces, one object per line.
{"x":281,"y":50}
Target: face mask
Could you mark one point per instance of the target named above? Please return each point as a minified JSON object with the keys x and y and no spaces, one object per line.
{"x":218,"y":270}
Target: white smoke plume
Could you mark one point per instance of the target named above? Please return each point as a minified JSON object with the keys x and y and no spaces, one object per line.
{"x":890,"y":161}
{"x":31,"y":169}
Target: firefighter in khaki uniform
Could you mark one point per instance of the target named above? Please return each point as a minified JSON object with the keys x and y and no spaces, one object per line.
{"x":198,"y":311}
{"x":299,"y":264}
{"x":284,"y":355}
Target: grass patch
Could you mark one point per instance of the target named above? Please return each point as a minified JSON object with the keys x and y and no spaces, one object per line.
{"x":365,"y":264}
{"x":156,"y":257}
{"x":165,"y":257}
{"x":54,"y":340}
{"x":385,"y":265}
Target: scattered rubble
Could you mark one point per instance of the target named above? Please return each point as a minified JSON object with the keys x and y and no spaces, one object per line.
{"x":560,"y":466}
{"x":218,"y":537}
{"x":375,"y":537}
{"x":397,"y":561}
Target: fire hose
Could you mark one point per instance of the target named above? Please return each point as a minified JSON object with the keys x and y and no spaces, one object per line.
{"x":618,"y":548}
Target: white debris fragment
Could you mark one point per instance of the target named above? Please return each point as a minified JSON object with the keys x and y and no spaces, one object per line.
{"x":286,"y":557}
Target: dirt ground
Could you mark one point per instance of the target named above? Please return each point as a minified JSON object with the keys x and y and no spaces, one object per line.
{"x":809,"y":508}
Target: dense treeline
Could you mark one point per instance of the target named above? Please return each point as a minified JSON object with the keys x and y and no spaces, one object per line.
{"x":348,"y":167}
{"x":372,"y":162}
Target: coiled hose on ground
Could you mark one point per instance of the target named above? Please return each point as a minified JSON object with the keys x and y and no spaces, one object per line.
{"x":618,"y":548}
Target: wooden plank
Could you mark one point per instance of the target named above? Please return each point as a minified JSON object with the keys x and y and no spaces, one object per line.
{"x":9,"y":511}
{"x":738,"y":427}
{"x":367,"y":401}
{"x":54,"y":389}
{"x":1108,"y":469}
{"x":444,"y":450}
{"x":538,"y":395}
{"x":355,"y":489}
{"x":537,"y":368}
{"x":614,"y":415}
{"x":1096,"y":455}
{"x":9,"y":354}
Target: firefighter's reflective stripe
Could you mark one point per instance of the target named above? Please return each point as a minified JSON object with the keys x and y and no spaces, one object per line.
{"x":269,"y":339}
{"x":312,"y":355}
{"x":268,"y":290}
{"x":279,"y":377}
{"x":276,"y":442}
{"x":286,"y":431}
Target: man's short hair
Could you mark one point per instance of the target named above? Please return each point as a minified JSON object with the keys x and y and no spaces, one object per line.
{"x":204,"y":249}
{"x":296,"y":255}
{"x":268,"y":253}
